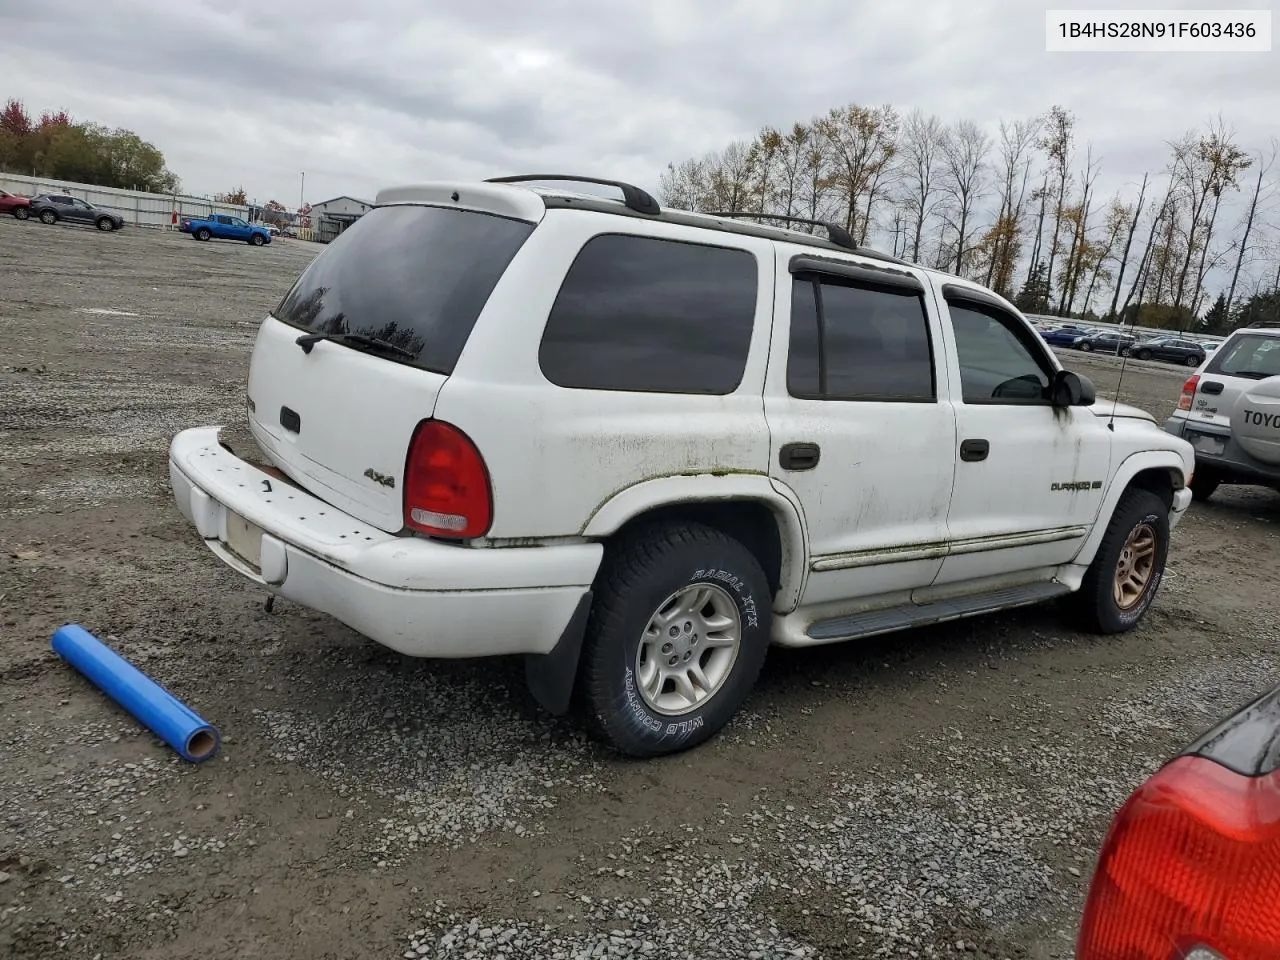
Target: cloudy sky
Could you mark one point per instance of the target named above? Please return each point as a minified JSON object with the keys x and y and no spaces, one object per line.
{"x":359,"y":95}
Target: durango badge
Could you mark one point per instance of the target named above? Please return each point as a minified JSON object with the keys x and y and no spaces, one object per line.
{"x":1076,"y":485}
{"x":380,"y":478}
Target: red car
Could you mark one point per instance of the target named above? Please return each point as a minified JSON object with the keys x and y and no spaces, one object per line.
{"x":15,"y":204}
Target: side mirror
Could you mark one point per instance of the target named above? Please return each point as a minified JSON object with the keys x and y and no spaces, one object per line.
{"x":1070,"y":389}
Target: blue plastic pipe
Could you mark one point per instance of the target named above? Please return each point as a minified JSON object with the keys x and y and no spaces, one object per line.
{"x":160,"y":711}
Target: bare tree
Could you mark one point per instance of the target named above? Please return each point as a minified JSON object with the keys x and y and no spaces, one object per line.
{"x":763,"y":152}
{"x":1016,"y":142}
{"x":1128,"y":244}
{"x":1264,"y":167}
{"x":1057,"y":142}
{"x":1075,"y":266}
{"x":919,"y":160}
{"x":964,"y":151}
{"x":1207,"y":166}
{"x":862,"y":142}
{"x":791,"y":160}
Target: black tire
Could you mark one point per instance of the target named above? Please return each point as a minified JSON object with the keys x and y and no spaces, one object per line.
{"x":48,"y":216}
{"x":1086,"y":346}
{"x":22,"y":213}
{"x":1204,"y":484}
{"x":1194,"y":361}
{"x":203,"y":234}
{"x":257,"y":240}
{"x":640,"y":573}
{"x":1144,"y":354}
{"x":105,"y":224}
{"x":1095,"y":602}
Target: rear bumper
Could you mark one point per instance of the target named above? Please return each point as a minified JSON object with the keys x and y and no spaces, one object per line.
{"x":420,"y":597}
{"x":1232,"y":464}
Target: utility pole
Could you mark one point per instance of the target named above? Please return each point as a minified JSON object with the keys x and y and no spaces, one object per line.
{"x":302,"y":191}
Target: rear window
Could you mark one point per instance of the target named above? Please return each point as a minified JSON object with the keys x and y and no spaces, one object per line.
{"x":1251,"y":356}
{"x":415,"y":277}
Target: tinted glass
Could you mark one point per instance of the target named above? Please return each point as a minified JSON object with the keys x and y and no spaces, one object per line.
{"x":995,"y":364}
{"x":802,"y":355}
{"x":875,"y":345}
{"x":414,"y":276}
{"x":653,"y":316}
{"x":1249,"y":355}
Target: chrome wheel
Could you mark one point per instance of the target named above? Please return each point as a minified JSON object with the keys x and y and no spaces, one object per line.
{"x":688,"y":649}
{"x":1135,"y":567}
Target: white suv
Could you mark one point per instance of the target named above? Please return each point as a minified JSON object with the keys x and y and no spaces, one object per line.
{"x":638,"y":446}
{"x":1229,"y":411}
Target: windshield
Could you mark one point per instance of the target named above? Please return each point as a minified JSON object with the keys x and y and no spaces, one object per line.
{"x":1253,"y":356}
{"x":413,"y":277}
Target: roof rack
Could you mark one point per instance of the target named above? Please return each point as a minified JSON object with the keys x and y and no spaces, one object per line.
{"x":1263,"y":324}
{"x":835,"y":233}
{"x":634,"y":198}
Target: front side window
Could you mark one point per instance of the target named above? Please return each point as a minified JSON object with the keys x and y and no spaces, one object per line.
{"x":996,"y":364}
{"x":857,"y":341}
{"x":652,"y":316}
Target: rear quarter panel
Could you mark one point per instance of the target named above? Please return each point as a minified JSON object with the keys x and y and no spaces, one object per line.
{"x":556,"y":456}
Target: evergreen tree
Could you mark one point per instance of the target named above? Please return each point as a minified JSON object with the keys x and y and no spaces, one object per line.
{"x":1034,"y":295}
{"x":1218,"y":319}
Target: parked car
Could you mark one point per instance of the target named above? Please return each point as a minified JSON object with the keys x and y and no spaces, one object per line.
{"x":1064,"y":335}
{"x":15,"y":204}
{"x":1229,"y":411}
{"x":1190,"y":869}
{"x":221,"y":226}
{"x":493,"y":419}
{"x":53,"y":208}
{"x":1106,"y":341}
{"x":1190,"y":353}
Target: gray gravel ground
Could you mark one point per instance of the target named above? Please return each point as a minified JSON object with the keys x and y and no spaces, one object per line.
{"x":936,"y":794}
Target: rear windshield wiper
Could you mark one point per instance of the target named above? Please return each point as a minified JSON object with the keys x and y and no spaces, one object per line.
{"x":1249,"y":374}
{"x":309,"y":340}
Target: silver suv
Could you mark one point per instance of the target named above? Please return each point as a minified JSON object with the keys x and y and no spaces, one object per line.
{"x":1229,"y":412}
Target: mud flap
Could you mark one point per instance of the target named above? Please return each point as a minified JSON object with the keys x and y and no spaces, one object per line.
{"x":550,"y":676}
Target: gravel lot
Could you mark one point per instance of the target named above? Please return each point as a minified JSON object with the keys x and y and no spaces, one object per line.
{"x":939,"y":793}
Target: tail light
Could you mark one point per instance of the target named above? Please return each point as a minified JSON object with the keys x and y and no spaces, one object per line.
{"x":1188,"y":392}
{"x":446,"y":484}
{"x":1190,"y":869}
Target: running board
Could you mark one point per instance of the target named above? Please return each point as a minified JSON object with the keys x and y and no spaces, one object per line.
{"x":917,"y":615}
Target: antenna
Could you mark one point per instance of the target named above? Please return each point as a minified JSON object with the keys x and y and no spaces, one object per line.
{"x":1124,"y":362}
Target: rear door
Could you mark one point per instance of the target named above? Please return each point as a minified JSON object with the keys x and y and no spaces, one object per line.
{"x":338,"y":418}
{"x":862,"y":431}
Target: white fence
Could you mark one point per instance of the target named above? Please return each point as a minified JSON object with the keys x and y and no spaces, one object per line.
{"x":138,"y":208}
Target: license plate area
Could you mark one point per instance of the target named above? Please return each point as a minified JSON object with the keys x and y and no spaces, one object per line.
{"x":244,"y":539}
{"x":1204,"y":443}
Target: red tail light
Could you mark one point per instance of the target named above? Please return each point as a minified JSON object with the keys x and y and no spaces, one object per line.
{"x":1190,"y":870}
{"x":446,"y":484}
{"x":1188,"y":392}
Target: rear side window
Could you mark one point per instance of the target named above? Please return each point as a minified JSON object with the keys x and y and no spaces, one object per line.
{"x":852,"y":341}
{"x":416,"y":277}
{"x":652,"y":316}
{"x":1248,"y":355}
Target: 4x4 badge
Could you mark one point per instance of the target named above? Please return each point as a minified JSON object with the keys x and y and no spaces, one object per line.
{"x":380,"y":478}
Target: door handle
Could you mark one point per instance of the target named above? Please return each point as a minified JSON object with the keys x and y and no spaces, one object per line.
{"x":1213,"y":386}
{"x":798,"y":456}
{"x":971,"y":451}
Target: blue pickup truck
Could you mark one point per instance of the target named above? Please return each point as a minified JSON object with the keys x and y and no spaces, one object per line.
{"x":221,"y":226}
